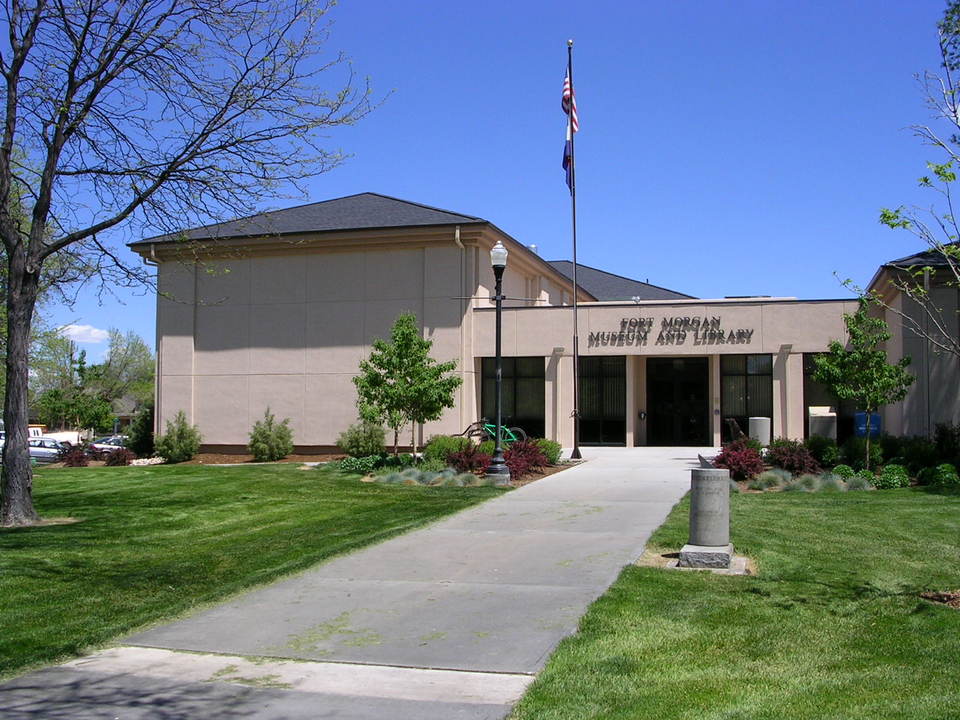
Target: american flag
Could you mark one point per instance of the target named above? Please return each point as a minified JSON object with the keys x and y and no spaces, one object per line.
{"x":569,"y":100}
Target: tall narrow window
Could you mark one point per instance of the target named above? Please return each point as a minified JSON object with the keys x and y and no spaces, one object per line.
{"x":746,"y":389}
{"x":522,"y":393}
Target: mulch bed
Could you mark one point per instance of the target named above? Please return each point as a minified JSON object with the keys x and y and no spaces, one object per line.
{"x":950,"y":598}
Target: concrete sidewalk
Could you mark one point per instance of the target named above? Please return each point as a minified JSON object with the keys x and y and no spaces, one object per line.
{"x":450,"y":621}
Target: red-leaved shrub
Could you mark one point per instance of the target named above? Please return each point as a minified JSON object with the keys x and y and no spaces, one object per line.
{"x":743,"y":461}
{"x":75,"y":457}
{"x":793,"y":456}
{"x":470,"y":459}
{"x":522,"y":457}
{"x":119,"y":457}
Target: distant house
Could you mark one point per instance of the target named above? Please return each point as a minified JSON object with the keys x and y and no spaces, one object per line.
{"x":278,"y":309}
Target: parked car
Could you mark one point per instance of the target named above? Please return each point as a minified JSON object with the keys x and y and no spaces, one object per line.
{"x":46,"y":449}
{"x":103,"y":445}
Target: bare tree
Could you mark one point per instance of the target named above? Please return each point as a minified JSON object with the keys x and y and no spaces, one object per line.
{"x":146,"y":115}
{"x":921,"y":277}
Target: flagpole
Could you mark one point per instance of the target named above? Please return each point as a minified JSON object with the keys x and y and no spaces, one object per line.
{"x":575,"y":453}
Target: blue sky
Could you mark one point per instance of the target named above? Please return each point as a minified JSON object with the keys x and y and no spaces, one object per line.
{"x":726,"y":148}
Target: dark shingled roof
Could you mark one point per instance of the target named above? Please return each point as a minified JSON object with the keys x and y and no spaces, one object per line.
{"x":354,"y":212}
{"x":926,"y":258}
{"x":607,"y":286}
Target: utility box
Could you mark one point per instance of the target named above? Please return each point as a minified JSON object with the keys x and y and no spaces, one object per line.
{"x":822,"y":421}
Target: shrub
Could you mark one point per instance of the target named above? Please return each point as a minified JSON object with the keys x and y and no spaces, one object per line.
{"x":363,"y":439}
{"x":487,"y":447}
{"x":180,"y":442}
{"x":396,"y":462}
{"x":795,"y":486}
{"x":858,"y":482}
{"x":270,"y":440}
{"x":854,"y":451}
{"x":439,"y":447}
{"x":551,"y":450}
{"x":121,"y":457}
{"x":470,"y":459}
{"x":829,"y":482}
{"x":792,"y":456}
{"x":734,"y":486}
{"x":809,"y":481}
{"x":916,"y":453}
{"x":75,"y":457}
{"x":522,"y":457}
{"x":742,"y":460}
{"x":769,"y":479}
{"x":140,"y":434}
{"x":362,"y":465}
{"x":824,"y":450}
{"x":892,"y":476}
{"x":844,"y":471}
{"x":947,"y":440}
{"x":944,"y":474}
{"x":868,"y":475}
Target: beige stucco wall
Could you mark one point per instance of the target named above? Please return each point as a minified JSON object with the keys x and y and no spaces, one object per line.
{"x":933,"y":398}
{"x":783,"y":328}
{"x":286,"y":326}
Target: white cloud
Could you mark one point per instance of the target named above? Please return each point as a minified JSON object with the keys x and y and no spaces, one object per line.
{"x":85,"y":333}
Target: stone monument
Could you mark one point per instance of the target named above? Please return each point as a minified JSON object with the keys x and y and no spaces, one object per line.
{"x":709,"y":545}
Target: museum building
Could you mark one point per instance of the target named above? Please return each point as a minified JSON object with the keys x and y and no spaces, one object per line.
{"x":278,"y":309}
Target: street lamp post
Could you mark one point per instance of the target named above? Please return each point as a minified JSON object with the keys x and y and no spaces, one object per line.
{"x":498,"y":470}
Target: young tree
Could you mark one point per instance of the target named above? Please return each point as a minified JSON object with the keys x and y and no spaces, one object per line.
{"x":939,"y":266}
{"x":860,"y":371}
{"x":152,"y":115}
{"x":400,"y":383}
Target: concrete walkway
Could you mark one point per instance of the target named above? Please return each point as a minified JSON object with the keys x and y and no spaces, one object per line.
{"x":450,"y":621}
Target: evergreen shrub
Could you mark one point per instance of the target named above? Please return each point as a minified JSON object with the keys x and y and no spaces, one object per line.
{"x":180,"y":442}
{"x":363,"y":439}
{"x":844,"y":471}
{"x":439,"y":447}
{"x":140,"y":434}
{"x":947,"y":440}
{"x":361,"y":465}
{"x":854,"y":451}
{"x":550,"y":448}
{"x":824,"y":450}
{"x":270,"y":440}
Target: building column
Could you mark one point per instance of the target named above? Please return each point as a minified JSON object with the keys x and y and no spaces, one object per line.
{"x":714,"y":390}
{"x":631,"y":401}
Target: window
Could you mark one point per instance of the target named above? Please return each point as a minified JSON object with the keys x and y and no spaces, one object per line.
{"x":746,"y":389}
{"x":522,"y":393}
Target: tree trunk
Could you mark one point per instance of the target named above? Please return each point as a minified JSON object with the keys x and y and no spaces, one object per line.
{"x":413,"y":437}
{"x":16,"y":504}
{"x":396,"y":441}
{"x":867,"y":460}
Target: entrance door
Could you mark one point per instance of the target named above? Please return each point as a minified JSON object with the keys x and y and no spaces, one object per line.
{"x":678,"y":406}
{"x":603,"y":400}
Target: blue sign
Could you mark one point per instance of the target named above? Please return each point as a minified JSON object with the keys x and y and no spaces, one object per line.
{"x":860,"y":424}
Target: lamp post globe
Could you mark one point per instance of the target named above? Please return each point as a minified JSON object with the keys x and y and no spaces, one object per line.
{"x":498,"y":471}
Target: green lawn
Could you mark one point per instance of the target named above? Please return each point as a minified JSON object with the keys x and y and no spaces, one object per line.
{"x":154,"y":542}
{"x":832,"y":626}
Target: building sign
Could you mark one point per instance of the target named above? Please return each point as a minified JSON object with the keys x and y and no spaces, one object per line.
{"x":640,"y":332}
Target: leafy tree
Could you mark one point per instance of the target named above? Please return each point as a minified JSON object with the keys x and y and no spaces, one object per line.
{"x":145,"y":116}
{"x":400,"y":383}
{"x":74,"y":403}
{"x":128,"y":369}
{"x":937,"y":229}
{"x":860,"y":371}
